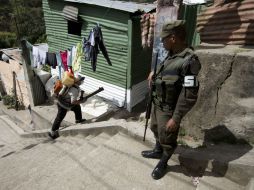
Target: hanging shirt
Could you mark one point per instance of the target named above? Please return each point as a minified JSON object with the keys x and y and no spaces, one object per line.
{"x":92,"y":45}
{"x":39,"y":57}
{"x":87,"y":49}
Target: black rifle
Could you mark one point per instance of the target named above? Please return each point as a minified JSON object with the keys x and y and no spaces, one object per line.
{"x":83,"y":99}
{"x":150,"y":98}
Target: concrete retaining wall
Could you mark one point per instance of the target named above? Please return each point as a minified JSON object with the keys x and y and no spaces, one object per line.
{"x":225,"y":107}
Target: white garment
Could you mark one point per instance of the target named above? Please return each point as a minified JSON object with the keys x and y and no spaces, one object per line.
{"x":73,"y":53}
{"x":69,"y":58}
{"x":39,"y":57}
{"x":35,"y":56}
{"x":92,"y":41}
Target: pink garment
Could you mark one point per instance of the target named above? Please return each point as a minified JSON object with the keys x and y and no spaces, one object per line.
{"x":63,"y":55}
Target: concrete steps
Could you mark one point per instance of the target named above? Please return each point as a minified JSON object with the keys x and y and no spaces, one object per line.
{"x":126,"y":169}
{"x":47,"y":158}
{"x":10,"y":141}
{"x":99,"y":160}
{"x":217,"y":183}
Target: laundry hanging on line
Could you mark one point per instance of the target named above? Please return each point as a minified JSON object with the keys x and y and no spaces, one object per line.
{"x":72,"y":57}
{"x":61,"y":58}
{"x":93,"y":45}
{"x":39,"y":57}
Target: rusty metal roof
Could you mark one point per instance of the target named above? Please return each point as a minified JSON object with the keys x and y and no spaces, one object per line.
{"x":230,"y":23}
{"x":119,"y":5}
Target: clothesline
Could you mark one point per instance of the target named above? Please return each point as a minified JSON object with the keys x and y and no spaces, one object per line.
{"x":71,"y":58}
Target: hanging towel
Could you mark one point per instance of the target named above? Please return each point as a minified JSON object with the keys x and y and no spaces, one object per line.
{"x":78,"y":57}
{"x":63,"y":55}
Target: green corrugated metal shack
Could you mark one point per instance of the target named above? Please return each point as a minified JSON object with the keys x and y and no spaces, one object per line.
{"x":124,"y":81}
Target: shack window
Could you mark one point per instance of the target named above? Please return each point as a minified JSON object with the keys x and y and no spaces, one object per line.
{"x":74,"y":28}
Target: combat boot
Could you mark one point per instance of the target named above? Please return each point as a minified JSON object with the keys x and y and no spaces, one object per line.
{"x":161,"y":168}
{"x":156,"y":153}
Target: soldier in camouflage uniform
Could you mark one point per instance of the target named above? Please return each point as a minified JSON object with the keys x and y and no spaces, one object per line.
{"x":176,"y":90}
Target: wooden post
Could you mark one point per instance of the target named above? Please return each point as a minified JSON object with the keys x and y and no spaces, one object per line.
{"x":15,"y":90}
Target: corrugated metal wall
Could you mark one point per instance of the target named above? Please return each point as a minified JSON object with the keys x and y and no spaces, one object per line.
{"x":141,"y":57}
{"x":231,"y":23}
{"x":114,"y":26}
{"x":115,"y":32}
{"x":189,"y":13}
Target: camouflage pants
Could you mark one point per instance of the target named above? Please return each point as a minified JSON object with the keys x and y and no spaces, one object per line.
{"x":159,"y":119}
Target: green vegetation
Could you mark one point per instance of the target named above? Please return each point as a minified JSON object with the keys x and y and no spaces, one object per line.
{"x":9,"y":101}
{"x":46,"y":68}
{"x":24,"y":19}
{"x":21,"y":18}
{"x":7,"y":39}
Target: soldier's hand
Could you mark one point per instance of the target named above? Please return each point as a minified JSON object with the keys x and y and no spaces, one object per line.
{"x":171,"y":125}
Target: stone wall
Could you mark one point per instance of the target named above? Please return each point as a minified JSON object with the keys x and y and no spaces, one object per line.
{"x":6,"y":70}
{"x":225,"y":108}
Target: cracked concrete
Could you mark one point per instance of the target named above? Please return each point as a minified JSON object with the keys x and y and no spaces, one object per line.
{"x":229,"y":73}
{"x":225,"y":96}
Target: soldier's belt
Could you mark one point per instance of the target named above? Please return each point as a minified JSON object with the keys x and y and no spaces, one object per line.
{"x":163,"y":106}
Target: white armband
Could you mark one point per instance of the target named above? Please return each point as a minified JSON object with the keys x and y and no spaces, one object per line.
{"x":190,"y":81}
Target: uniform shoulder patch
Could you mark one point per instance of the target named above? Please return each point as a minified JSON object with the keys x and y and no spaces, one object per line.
{"x":190,"y":81}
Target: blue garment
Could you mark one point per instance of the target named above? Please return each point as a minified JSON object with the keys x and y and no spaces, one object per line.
{"x":92,"y":45}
